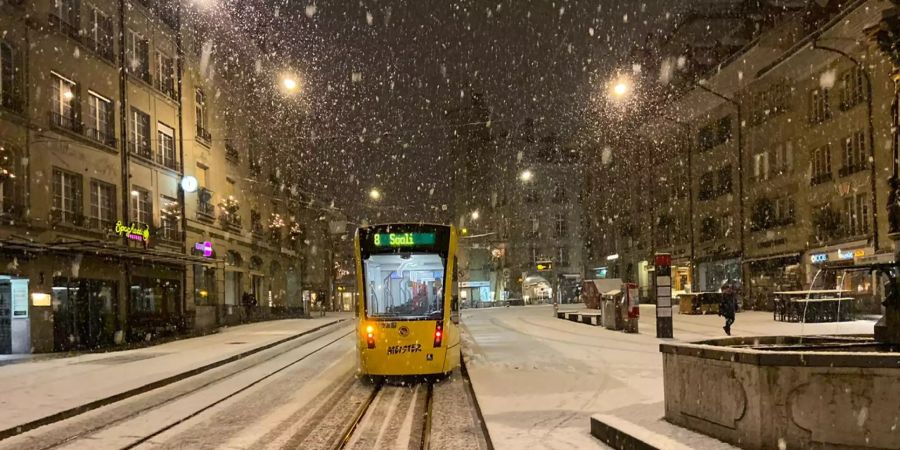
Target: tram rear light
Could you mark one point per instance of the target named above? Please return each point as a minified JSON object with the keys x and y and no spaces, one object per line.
{"x":370,"y":336}
{"x":438,"y":334}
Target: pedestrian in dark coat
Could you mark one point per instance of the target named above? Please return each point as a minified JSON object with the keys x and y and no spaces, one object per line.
{"x":728,"y":305}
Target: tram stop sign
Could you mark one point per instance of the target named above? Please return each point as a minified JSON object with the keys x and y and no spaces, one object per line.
{"x":544,"y":266}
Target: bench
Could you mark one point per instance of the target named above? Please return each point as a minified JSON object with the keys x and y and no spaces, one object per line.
{"x":586,"y":317}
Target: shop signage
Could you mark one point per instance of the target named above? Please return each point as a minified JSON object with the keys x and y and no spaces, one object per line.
{"x":850,"y":254}
{"x":544,"y":266}
{"x":817,"y":258}
{"x":471,"y":284}
{"x":19,"y":291}
{"x":612,"y":257}
{"x":204,"y":248}
{"x":135,"y":231}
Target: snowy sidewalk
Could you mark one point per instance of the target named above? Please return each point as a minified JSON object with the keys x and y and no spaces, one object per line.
{"x":41,"y":388}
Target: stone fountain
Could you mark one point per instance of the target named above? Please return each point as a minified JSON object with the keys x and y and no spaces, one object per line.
{"x":790,"y":391}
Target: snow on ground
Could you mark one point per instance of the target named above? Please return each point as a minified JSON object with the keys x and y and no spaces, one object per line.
{"x":539,"y":379}
{"x":49,"y":386}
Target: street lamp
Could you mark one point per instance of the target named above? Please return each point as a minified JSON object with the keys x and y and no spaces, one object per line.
{"x":374,"y":194}
{"x":475,"y":215}
{"x":290,"y":84}
{"x":526,"y":175}
{"x":620,"y":87}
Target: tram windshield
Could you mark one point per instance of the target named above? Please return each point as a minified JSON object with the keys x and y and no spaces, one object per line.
{"x":404,"y":285}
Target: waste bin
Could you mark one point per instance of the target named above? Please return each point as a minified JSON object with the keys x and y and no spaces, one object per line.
{"x":621,"y":313}
{"x":609,"y":303}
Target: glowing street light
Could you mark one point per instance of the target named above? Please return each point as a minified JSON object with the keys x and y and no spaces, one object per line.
{"x":475,"y":215}
{"x":620,"y":87}
{"x":526,"y":175}
{"x":374,"y":194}
{"x":289,"y":83}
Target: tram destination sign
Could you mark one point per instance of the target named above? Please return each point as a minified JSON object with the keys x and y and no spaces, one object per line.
{"x":403,"y":239}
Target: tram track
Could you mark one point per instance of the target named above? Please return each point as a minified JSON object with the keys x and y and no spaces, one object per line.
{"x":132,"y":409}
{"x":395,"y":416}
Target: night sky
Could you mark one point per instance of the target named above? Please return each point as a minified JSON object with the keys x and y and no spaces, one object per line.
{"x":379,"y":76}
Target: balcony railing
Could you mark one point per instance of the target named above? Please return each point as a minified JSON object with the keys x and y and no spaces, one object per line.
{"x":96,"y":223}
{"x":167,"y":87}
{"x":205,"y":207}
{"x":851,"y":169}
{"x":232,"y":153}
{"x":104,"y":137}
{"x":12,"y":102}
{"x":67,"y":217}
{"x":168,"y":161}
{"x":820,"y":178}
{"x":58,"y":120}
{"x":141,"y":149}
{"x":257,"y":230}
{"x":203,"y":135}
{"x":64,"y":27}
{"x":101,"y":50}
{"x":231,"y":221}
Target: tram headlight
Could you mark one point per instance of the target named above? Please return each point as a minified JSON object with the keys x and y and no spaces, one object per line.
{"x":369,"y":330}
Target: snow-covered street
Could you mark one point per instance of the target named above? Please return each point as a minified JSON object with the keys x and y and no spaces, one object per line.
{"x":538,"y":379}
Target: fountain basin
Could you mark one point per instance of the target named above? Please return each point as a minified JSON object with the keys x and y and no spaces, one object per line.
{"x":786,"y":391}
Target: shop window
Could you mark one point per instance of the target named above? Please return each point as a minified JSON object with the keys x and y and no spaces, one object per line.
{"x":84,"y":312}
{"x":67,"y":206}
{"x":204,"y":285}
{"x":141,"y":206}
{"x":152,"y":296}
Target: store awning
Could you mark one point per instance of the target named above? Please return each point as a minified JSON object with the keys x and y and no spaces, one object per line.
{"x":102,"y":248}
{"x":771,"y":257}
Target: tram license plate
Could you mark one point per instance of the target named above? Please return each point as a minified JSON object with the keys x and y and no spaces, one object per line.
{"x":388,"y":324}
{"x":400,"y":349}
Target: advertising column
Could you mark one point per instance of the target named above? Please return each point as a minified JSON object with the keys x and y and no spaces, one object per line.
{"x":662,"y":290}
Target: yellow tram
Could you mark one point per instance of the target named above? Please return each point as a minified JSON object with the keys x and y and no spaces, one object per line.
{"x":407,"y":309}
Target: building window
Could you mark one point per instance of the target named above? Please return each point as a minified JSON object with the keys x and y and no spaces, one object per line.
{"x":559,"y":192}
{"x":67,"y":205}
{"x":725,"y":180}
{"x":821,"y":165}
{"x":504,"y":229}
{"x":99,"y":34}
{"x":709,"y":229}
{"x":169,"y":212}
{"x":714,"y":134}
{"x":562,"y":226}
{"x":853,"y":87}
{"x":141,"y":206}
{"x":200,"y":110}
{"x":531,"y":195}
{"x":255,"y":221}
{"x":535,"y":227}
{"x":783,"y":158}
{"x":99,"y":125}
{"x":64,"y":102}
{"x":769,"y":213}
{"x":761,"y":166}
{"x":165,"y":72}
{"x":562,"y":256}
{"x":855,"y":153}
{"x":856,"y":212}
{"x":140,"y":133}
{"x":103,"y":205}
{"x":68,"y":15}
{"x":770,"y":103}
{"x":9,"y":91}
{"x":166,"y":154}
{"x":707,"y":187}
{"x":137,"y":55}
{"x":819,"y":106}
